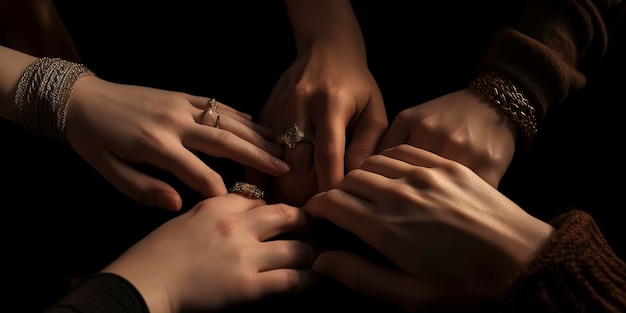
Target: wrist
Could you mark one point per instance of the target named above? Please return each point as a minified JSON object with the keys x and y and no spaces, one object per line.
{"x":325,"y":23}
{"x":43,"y":93}
{"x":148,"y":284}
{"x":501,"y":91}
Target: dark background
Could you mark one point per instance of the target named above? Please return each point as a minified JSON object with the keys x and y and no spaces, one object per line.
{"x":62,"y":219}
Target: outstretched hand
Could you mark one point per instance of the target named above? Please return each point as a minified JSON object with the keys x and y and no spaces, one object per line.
{"x":118,"y":128}
{"x":222,"y":252}
{"x":335,"y":99}
{"x":456,"y":241}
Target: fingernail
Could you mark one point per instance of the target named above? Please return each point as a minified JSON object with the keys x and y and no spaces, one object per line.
{"x":168,"y":201}
{"x":282,"y":166}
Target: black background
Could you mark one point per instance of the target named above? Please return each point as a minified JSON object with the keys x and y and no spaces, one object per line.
{"x":62,"y":219}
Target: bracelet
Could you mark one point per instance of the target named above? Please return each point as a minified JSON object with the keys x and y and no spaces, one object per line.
{"x":43,"y":94}
{"x":247,"y":190}
{"x":500,"y":90}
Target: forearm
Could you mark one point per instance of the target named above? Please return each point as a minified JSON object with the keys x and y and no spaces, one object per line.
{"x":35,"y":27}
{"x":326,"y":21}
{"x":12,"y":65}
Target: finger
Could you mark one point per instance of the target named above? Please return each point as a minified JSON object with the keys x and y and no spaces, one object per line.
{"x":204,"y":103}
{"x":461,"y":152}
{"x":415,"y":156}
{"x":230,"y":202}
{"x":268,"y":221}
{"x":367,"y":134}
{"x":300,"y":184}
{"x":189,"y":169}
{"x":138,"y":186}
{"x":330,"y":141}
{"x":398,"y":133}
{"x":366,"y":277}
{"x":210,"y":118}
{"x":281,"y":281}
{"x":273,"y":108}
{"x":351,"y":213}
{"x":278,"y":254}
{"x":369,"y":186}
{"x":386,"y":166}
{"x":300,"y":157}
{"x":264,"y":131}
{"x":247,"y":132}
{"x":222,"y":143}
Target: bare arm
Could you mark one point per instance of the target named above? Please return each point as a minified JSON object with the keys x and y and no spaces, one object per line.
{"x":327,"y":21}
{"x":12,"y":65}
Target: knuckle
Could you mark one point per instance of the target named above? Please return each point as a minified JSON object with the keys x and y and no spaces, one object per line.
{"x":288,"y":214}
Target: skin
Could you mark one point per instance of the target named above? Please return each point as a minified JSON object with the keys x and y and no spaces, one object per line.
{"x":120,"y":128}
{"x":330,"y":93}
{"x":460,"y":126}
{"x":219,"y":254}
{"x":456,"y":241}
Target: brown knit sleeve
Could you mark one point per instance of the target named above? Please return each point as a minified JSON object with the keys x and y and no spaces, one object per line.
{"x":543,"y":54}
{"x":577,"y":271}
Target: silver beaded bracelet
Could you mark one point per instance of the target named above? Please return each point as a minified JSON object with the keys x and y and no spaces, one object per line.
{"x":43,"y":93}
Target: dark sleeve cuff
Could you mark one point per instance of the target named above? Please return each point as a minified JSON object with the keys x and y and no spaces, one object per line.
{"x":544,"y":55}
{"x":101,"y":293}
{"x":538,"y":71}
{"x":577,"y":271}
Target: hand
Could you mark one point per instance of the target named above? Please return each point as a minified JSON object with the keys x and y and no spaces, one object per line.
{"x":336,"y":99}
{"x":456,"y":240}
{"x":117,"y":128}
{"x":460,"y":126}
{"x":218,"y":254}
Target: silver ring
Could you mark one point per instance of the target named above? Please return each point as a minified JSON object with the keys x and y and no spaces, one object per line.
{"x":209,"y":111}
{"x":292,"y":136}
{"x":212,"y":106}
{"x":218,"y":120}
{"x":247,"y":190}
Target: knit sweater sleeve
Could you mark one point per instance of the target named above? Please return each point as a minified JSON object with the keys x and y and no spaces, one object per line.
{"x":101,"y":293}
{"x":545,"y":52}
{"x":577,"y":271}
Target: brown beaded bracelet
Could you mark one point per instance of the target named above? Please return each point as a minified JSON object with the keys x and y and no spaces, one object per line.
{"x":500,"y":90}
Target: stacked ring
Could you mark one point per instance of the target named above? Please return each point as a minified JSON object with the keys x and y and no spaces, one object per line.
{"x":247,"y":190}
{"x":218,"y":120}
{"x":212,"y":108}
